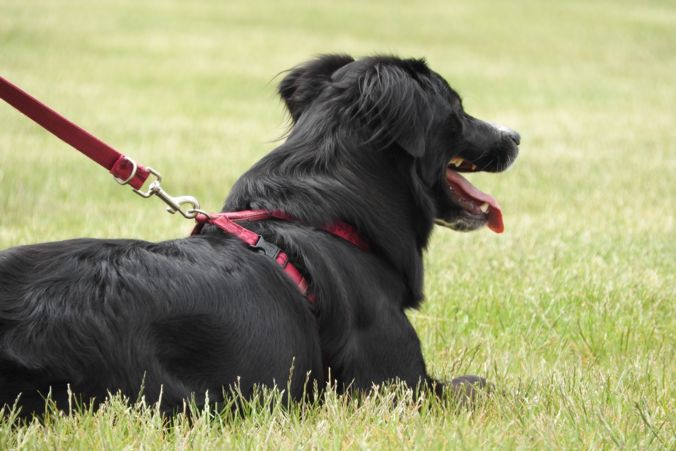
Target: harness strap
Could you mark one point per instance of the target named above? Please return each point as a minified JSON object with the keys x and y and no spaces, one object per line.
{"x":258,"y":243}
{"x":227,"y":223}
{"x":122,"y":168}
{"x":339,"y":229}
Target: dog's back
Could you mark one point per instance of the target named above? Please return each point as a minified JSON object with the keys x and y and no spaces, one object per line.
{"x":183,"y":316}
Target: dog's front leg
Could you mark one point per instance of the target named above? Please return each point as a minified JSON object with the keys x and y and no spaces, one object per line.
{"x":387,"y":350}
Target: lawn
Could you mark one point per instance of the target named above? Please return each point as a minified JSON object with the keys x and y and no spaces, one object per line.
{"x":571,"y":313}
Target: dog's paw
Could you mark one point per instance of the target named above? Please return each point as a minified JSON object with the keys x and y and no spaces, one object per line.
{"x":466,"y":389}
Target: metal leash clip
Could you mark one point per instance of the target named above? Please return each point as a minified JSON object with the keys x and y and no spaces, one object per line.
{"x":175,"y":203}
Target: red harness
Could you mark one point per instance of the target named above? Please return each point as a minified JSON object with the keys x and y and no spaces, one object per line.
{"x":227,"y":222}
{"x":127,"y":171}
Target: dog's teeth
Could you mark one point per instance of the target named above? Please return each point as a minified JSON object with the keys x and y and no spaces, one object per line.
{"x":473,"y":167}
{"x":484,"y":207}
{"x":456,"y":161}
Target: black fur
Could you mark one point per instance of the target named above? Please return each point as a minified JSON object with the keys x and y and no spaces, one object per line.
{"x":369,"y":146}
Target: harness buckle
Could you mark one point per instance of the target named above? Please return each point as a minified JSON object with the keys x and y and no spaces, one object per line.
{"x":266,"y":247}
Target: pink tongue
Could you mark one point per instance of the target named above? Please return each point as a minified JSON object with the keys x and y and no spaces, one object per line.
{"x":465,"y":188}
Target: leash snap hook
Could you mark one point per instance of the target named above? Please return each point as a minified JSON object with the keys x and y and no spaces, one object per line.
{"x":175,"y":203}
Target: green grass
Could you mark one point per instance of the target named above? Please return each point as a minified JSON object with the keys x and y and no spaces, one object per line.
{"x":571,"y":312}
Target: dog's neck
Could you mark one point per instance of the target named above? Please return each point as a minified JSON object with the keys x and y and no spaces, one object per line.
{"x":379,"y":203}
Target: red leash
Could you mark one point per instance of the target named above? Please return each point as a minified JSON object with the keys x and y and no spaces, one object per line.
{"x":123,"y":169}
{"x":127,"y":171}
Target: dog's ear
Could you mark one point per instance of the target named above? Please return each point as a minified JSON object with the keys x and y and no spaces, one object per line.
{"x":394,"y":104}
{"x":302,"y":84}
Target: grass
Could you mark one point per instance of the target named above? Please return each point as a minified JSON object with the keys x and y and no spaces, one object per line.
{"x":571,"y":312}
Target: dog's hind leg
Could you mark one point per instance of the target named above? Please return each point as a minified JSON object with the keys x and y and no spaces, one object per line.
{"x":29,"y":389}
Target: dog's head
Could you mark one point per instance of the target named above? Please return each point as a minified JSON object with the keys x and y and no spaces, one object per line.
{"x":400,"y":103}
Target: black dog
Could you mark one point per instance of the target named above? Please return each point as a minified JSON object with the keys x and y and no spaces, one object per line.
{"x":376,"y":143}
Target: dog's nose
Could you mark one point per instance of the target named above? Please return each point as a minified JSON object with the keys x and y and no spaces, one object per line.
{"x":515,"y":136}
{"x":512,"y":134}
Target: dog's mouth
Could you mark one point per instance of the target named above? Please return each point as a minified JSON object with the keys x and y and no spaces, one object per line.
{"x":475,"y":202}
